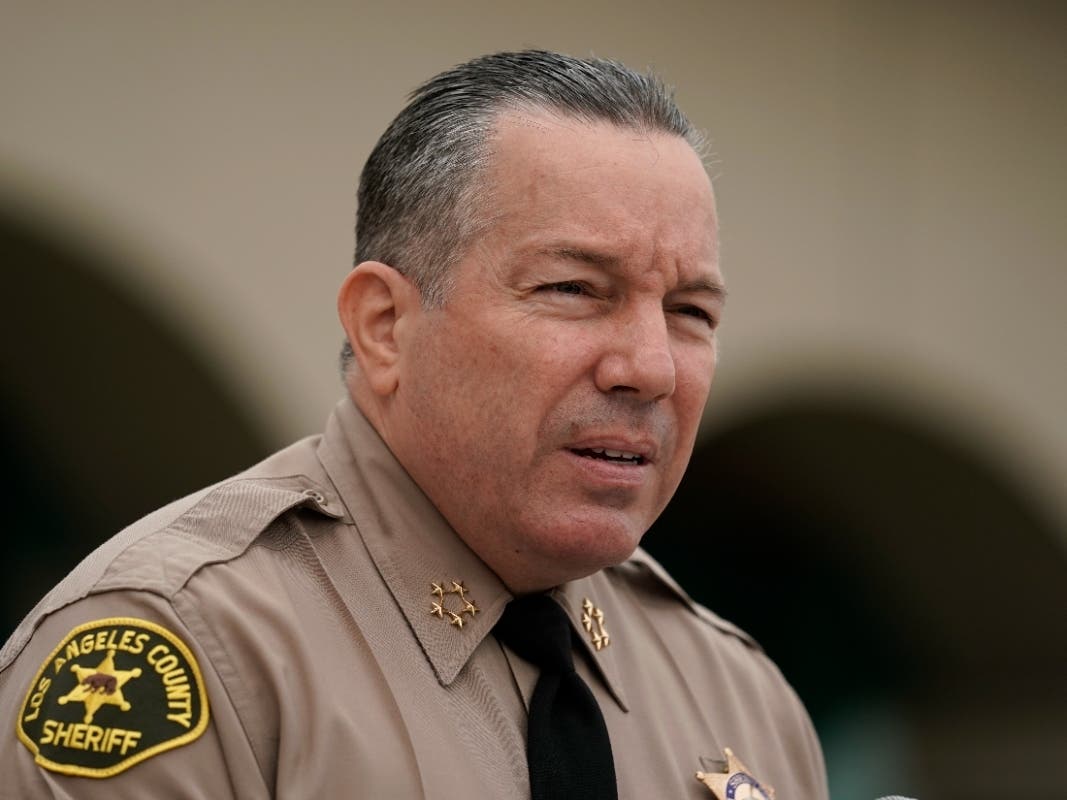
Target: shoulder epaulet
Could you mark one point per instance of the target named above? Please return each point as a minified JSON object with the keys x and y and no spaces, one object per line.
{"x":162,"y":551}
{"x":645,"y":563}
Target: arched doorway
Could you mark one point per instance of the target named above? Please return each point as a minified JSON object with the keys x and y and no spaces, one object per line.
{"x":105,"y":413}
{"x":910,"y":592}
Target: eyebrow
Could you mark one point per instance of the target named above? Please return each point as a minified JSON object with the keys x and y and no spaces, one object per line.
{"x":701,"y":285}
{"x":581,"y":254}
{"x":704,"y":286}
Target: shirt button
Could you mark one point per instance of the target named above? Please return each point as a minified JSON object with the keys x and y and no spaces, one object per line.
{"x":316,"y":496}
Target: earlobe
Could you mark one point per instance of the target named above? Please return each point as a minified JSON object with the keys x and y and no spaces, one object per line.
{"x":372,"y":304}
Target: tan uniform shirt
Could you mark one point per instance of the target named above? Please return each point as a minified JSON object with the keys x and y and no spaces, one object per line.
{"x":318,"y":598}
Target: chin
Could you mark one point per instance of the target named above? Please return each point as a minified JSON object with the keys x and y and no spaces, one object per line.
{"x":593,"y":544}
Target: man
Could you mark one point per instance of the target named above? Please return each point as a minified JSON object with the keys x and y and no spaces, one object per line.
{"x":531,"y":337}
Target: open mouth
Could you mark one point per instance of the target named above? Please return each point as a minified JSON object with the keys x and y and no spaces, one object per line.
{"x":616,"y":456}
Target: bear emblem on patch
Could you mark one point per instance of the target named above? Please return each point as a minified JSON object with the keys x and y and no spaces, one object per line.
{"x":113,"y":692}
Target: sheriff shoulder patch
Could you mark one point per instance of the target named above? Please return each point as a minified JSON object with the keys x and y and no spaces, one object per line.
{"x":113,"y":693}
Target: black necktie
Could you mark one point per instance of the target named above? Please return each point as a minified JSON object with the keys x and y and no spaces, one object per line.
{"x":567,"y":745}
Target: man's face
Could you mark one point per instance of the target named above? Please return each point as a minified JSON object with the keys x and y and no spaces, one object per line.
{"x":550,"y":407}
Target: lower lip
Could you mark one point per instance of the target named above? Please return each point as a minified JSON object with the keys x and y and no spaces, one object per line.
{"x":610,"y":473}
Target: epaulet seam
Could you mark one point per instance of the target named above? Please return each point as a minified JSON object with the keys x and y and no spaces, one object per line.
{"x":213,"y":553}
{"x":652,"y":567}
{"x":725,"y":626}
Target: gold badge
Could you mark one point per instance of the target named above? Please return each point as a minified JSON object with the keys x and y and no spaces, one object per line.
{"x":593,"y":622}
{"x":735,"y":782}
{"x":452,"y":610}
{"x":113,"y":693}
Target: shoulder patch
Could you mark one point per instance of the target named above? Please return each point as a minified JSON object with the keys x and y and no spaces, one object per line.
{"x":114,"y":692}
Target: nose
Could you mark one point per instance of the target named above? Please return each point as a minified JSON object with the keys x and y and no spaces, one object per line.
{"x":637,"y":358}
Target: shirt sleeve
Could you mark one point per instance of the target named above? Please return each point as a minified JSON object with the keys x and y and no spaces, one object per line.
{"x":113,"y":698}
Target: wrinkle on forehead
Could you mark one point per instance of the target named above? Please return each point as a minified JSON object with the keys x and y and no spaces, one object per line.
{"x":555,"y":180}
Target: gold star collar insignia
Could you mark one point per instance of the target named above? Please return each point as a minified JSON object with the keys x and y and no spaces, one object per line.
{"x":736,"y":782}
{"x":593,"y":622}
{"x":444,"y":607}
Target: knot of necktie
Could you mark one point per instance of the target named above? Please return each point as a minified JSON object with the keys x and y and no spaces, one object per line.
{"x":538,"y":630}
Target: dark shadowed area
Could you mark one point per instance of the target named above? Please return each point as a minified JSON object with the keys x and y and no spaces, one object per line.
{"x":912,"y":595}
{"x":105,"y":414}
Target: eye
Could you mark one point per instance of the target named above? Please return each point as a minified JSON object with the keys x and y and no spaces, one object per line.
{"x":566,"y":287}
{"x":696,"y":312}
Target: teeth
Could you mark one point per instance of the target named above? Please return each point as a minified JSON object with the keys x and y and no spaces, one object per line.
{"x":615,"y":453}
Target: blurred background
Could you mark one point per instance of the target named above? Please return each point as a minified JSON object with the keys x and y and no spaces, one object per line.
{"x":878,"y":495}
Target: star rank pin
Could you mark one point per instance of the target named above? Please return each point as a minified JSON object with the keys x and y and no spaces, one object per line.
{"x":593,"y":622}
{"x":447,"y":608}
{"x":113,"y":693}
{"x":736,"y":782}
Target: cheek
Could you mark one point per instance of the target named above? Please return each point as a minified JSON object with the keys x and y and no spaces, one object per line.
{"x":473,"y":389}
{"x":533,"y":365}
{"x":693,"y":375}
{"x":693,"y":384}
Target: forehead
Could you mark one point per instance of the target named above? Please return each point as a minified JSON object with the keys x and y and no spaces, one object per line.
{"x":554,"y":177}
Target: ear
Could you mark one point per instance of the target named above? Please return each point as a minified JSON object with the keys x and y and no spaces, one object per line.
{"x":374,"y":303}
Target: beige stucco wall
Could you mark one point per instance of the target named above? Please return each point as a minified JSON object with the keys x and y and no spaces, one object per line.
{"x":890,"y":175}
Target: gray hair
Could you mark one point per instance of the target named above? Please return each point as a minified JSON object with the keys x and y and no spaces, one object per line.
{"x":418,"y":194}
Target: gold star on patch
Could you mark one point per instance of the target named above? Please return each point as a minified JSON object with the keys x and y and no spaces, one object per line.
{"x":736,"y":782}
{"x":593,"y":622}
{"x":101,"y":686}
{"x":452,"y":612}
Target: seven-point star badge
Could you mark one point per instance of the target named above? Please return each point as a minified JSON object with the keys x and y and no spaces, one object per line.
{"x":736,"y":783}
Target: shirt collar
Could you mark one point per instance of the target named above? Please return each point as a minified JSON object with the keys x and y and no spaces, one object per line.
{"x":592,"y":604}
{"x":431,"y":573}
{"x":412,"y":545}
